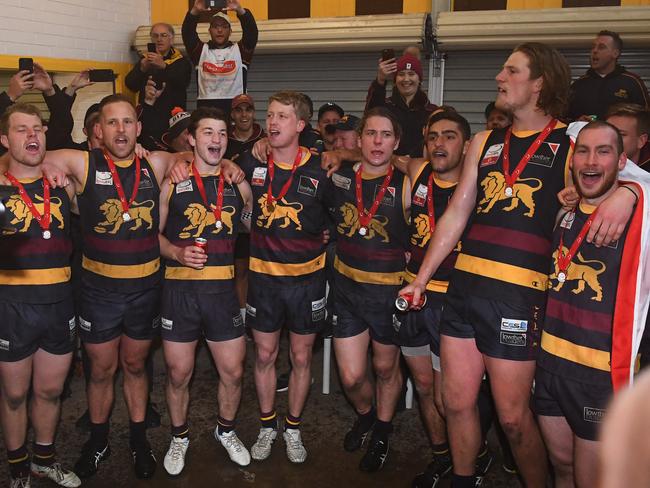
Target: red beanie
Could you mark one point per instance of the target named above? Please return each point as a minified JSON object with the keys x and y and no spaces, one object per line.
{"x":410,"y":62}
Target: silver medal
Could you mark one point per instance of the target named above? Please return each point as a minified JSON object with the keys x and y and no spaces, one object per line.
{"x":218,"y":224}
{"x":561,"y":276}
{"x":47,"y":234}
{"x":363,"y":231}
{"x":508,"y":191}
{"x":126,"y":217}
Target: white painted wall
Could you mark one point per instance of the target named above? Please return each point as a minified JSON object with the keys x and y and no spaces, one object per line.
{"x":99,"y":30}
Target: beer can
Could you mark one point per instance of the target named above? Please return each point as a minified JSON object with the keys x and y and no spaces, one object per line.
{"x":202,"y":243}
{"x":404,"y":302}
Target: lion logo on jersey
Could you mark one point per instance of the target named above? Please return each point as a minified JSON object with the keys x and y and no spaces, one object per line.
{"x":494,"y":185}
{"x":22,"y":214}
{"x":423,"y":231}
{"x":140,"y":213}
{"x":351,"y":223}
{"x":281,"y":210}
{"x":582,"y":273}
{"x":199,"y":218}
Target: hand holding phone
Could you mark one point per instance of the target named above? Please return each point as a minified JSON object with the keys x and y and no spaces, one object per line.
{"x":387,"y":54}
{"x":26,"y":64}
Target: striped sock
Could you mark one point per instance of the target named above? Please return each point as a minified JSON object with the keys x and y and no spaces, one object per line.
{"x":182,"y":431}
{"x":269,"y":420}
{"x":18,"y":462}
{"x":224,"y":426}
{"x":43,"y":454}
{"x":291,"y":422}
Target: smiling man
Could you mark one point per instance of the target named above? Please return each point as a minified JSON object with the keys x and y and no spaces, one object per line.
{"x":286,"y":285}
{"x":588,"y":347}
{"x":606,"y":82}
{"x":222,"y":65}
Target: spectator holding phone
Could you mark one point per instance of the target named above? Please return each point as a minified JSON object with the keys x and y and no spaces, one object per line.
{"x":222,"y":64}
{"x":408,"y":103}
{"x":167,"y":66}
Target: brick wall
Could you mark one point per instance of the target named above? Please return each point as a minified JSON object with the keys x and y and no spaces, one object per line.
{"x":99,"y":30}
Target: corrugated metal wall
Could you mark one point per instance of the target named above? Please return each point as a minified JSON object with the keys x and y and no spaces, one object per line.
{"x":470,"y":85}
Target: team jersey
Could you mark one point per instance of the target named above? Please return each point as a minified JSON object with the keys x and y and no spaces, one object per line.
{"x":577,"y":336}
{"x":507,"y":248}
{"x":34,"y":269}
{"x":371,"y":263}
{"x":189,"y":218}
{"x":421,"y":229}
{"x":286,"y":243}
{"x":117,"y":254}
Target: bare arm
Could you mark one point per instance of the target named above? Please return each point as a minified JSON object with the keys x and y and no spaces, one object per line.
{"x":63,"y":164}
{"x":449,"y":228}
{"x":247,"y":196}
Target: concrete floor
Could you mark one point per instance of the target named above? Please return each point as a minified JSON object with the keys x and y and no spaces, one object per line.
{"x":325,"y":421}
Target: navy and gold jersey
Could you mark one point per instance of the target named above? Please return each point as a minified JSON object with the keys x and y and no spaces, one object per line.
{"x":577,"y":336}
{"x":33,"y":269}
{"x":286,"y":242}
{"x":119,"y":255}
{"x":507,"y":248}
{"x":373,"y":263}
{"x":421,"y":230}
{"x":188,"y":218}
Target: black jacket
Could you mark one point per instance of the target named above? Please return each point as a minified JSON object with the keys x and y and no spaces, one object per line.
{"x":411,"y":118}
{"x":176,"y":76}
{"x":592,"y":94}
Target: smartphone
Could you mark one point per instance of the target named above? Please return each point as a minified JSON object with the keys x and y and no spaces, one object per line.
{"x":387,"y":54}
{"x":215,"y":4}
{"x":26,"y":64}
{"x":151,"y":47}
{"x":101,"y":75}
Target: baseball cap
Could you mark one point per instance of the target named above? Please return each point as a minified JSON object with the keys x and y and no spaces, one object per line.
{"x":330,"y":106}
{"x":410,"y":62}
{"x":179,"y":121}
{"x":241,"y":99}
{"x":221,"y":15}
{"x":347,"y":122}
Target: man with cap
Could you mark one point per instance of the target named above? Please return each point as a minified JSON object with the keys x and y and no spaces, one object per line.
{"x":328,"y":114}
{"x":176,"y":138}
{"x":244,"y":131}
{"x":345,"y":133}
{"x":222,"y":64}
{"x":408,"y":103}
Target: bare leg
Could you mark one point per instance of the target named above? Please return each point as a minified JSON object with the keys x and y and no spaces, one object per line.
{"x":511,"y":383}
{"x":462,"y":373}
{"x":15,"y":378}
{"x":100,"y":389}
{"x":267,"y":345}
{"x":352,"y":359}
{"x":300,"y":377}
{"x":229,"y":358}
{"x":50,"y":371}
{"x":133,"y":355}
{"x":179,"y":357}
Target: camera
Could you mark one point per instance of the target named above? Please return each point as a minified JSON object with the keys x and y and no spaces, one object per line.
{"x":5,"y":216}
{"x":215,"y":4}
{"x":26,"y":64}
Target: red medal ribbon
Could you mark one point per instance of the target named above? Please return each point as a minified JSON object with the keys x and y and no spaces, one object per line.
{"x":43,"y":220}
{"x":118,"y":183}
{"x":430,"y":207}
{"x":511,"y":178}
{"x":270,"y":199}
{"x":564,"y":260}
{"x":199,"y":183}
{"x":365,"y":216}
